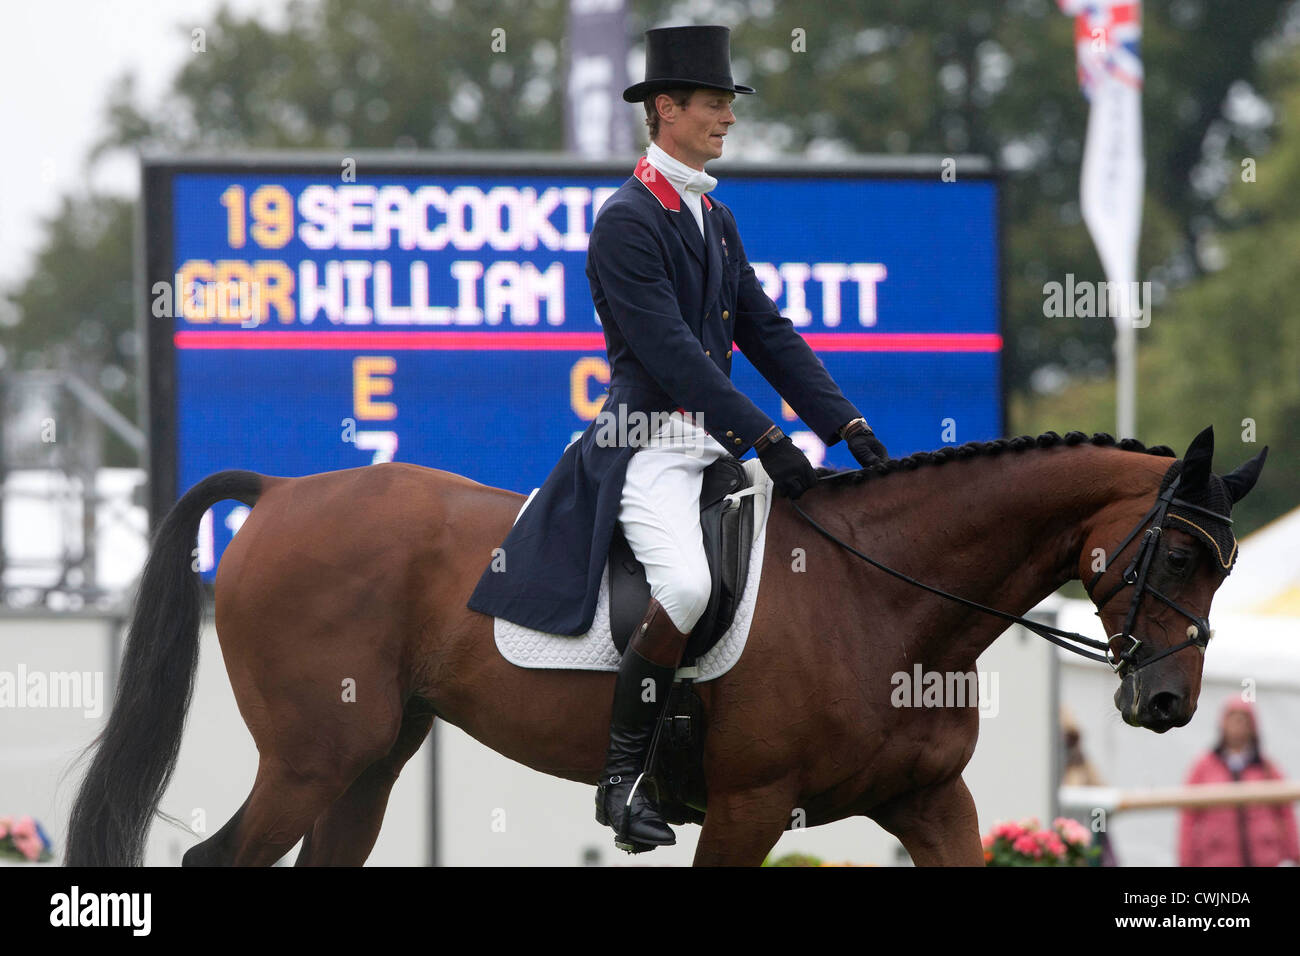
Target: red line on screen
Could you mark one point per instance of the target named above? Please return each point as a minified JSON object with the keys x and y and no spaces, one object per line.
{"x":400,"y":341}
{"x":905,"y":341}
{"x":559,"y":341}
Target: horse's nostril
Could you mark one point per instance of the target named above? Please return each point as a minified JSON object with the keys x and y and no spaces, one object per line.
{"x":1165,"y":705}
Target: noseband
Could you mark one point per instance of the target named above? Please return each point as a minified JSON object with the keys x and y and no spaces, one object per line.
{"x":1135,"y":575}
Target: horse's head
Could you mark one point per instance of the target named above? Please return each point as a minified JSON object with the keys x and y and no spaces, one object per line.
{"x":1161,"y":571}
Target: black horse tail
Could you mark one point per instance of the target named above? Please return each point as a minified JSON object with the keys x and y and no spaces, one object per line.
{"x":136,"y":753}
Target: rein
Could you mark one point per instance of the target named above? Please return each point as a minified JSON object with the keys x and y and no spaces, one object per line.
{"x":1199,"y":632}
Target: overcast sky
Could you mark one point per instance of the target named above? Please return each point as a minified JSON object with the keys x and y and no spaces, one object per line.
{"x":57,"y":61}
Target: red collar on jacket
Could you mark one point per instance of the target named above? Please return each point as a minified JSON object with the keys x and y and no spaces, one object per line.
{"x":662,"y":189}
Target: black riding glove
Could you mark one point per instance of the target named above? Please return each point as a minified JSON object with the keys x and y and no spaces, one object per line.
{"x":863,"y":443}
{"x":785,"y":464}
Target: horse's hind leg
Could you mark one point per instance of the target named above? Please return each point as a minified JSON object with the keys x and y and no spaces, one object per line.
{"x":275,"y":816}
{"x":218,"y":849}
{"x":308,"y":760}
{"x":346,"y":832}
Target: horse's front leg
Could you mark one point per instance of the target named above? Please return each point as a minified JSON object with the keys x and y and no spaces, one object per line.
{"x":742,"y":826}
{"x":938,"y":825}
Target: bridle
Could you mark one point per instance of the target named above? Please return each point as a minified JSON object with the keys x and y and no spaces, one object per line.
{"x":1198,"y":634}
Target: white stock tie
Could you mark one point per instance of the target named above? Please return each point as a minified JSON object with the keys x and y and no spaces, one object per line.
{"x":691,"y":183}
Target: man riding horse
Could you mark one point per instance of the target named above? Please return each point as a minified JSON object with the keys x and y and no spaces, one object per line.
{"x":674,"y":290}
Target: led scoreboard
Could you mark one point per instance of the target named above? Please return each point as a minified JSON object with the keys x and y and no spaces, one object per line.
{"x":307,"y":314}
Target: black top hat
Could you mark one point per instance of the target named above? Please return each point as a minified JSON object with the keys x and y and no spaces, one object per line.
{"x":686,"y":57}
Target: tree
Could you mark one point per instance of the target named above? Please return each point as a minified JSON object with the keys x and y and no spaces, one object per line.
{"x":1226,"y":351}
{"x":404,"y":74}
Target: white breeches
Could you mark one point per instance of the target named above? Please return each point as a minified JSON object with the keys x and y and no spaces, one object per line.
{"x":660,"y":514}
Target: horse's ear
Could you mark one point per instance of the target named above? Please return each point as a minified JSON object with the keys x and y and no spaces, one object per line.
{"x":1196,"y":463}
{"x":1243,"y":479}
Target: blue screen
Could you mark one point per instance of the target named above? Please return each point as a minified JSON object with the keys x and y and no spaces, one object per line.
{"x":446,"y":319}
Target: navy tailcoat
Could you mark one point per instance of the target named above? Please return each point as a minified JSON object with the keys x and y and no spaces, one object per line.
{"x":671,"y":302}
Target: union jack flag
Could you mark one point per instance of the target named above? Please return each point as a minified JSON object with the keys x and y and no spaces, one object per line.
{"x":1107,"y":38}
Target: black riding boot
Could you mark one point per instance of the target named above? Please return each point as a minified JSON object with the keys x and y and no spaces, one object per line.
{"x":645,"y":678}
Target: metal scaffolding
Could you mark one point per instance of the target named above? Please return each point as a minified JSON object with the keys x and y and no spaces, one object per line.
{"x":55,"y":504}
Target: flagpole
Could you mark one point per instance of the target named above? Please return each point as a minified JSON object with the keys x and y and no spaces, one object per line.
{"x":1111,"y":182}
{"x":1126,"y":380}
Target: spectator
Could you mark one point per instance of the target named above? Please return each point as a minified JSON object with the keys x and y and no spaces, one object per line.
{"x":1261,"y":834}
{"x":1078,"y":771}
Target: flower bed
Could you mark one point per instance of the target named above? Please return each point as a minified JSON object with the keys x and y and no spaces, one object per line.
{"x":1067,"y":843}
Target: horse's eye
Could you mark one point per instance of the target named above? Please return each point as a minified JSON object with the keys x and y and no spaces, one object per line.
{"x":1178,"y":560}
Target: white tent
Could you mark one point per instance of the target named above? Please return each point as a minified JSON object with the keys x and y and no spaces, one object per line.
{"x":1266,"y":577}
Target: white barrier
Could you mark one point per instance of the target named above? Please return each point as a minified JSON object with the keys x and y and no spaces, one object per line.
{"x":1114,"y":800}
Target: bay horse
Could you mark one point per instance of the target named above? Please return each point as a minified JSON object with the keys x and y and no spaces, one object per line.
{"x":359,"y":578}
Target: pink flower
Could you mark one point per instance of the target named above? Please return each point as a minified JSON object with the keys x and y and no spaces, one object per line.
{"x":987,"y":840}
{"x":28,"y":846}
{"x":24,"y":827}
{"x":1008,"y":831}
{"x":1072,"y":831}
{"x":1027,"y":845}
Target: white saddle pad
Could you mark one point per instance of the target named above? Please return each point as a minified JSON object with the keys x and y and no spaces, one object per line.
{"x":595,"y":650}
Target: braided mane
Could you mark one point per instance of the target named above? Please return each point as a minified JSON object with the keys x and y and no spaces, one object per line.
{"x":983,"y":449}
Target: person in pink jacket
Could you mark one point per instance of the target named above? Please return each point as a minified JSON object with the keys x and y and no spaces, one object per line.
{"x":1263,"y":834}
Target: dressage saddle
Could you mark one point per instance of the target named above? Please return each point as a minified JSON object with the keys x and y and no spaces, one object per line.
{"x":728,"y":527}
